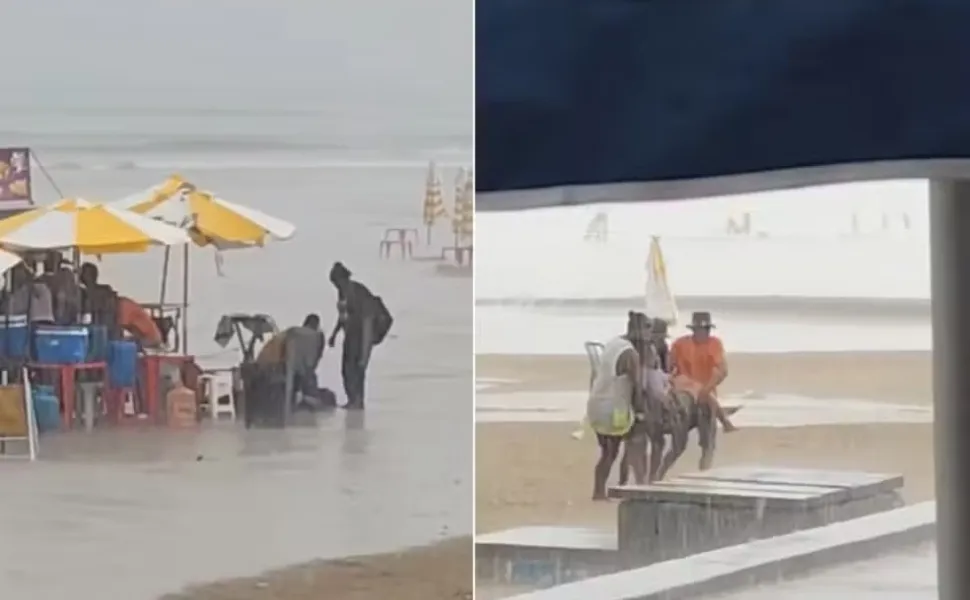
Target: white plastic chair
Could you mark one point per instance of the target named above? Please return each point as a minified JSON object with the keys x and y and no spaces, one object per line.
{"x":594,"y":350}
{"x":219,"y":384}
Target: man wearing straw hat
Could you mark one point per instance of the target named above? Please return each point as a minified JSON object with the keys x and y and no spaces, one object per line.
{"x":698,"y":365}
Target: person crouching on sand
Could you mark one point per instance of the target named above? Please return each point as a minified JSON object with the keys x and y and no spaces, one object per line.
{"x":698,"y":365}
{"x":615,"y":399}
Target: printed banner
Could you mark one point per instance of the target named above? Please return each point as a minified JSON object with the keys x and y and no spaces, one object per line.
{"x":15,"y":175}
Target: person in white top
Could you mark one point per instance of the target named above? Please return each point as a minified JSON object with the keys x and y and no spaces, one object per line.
{"x":615,"y":401}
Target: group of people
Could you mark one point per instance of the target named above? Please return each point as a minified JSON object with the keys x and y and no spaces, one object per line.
{"x":364,"y":321}
{"x":644,"y":391}
{"x":56,"y":295}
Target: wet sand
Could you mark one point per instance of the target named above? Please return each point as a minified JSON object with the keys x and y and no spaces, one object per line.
{"x":438,"y":572}
{"x":549,"y":480}
{"x":137,"y":514}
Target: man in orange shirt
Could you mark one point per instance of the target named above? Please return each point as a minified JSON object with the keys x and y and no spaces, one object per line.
{"x":699,"y":365}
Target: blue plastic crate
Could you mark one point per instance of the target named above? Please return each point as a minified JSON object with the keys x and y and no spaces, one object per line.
{"x":122,"y":363}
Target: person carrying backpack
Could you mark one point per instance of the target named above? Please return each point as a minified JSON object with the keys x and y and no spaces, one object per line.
{"x":365,"y":321}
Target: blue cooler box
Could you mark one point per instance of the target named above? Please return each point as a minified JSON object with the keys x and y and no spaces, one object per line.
{"x":14,"y":337}
{"x":61,"y":345}
{"x":122,"y":364}
{"x":47,"y":408}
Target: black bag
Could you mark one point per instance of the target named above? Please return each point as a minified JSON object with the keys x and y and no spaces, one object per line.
{"x":382,"y":320}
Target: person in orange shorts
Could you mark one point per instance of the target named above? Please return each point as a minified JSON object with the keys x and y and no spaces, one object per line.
{"x":699,"y":365}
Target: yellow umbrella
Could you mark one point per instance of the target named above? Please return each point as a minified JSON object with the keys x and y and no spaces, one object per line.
{"x":434,"y":202}
{"x":208,"y":219}
{"x":87,"y":227}
{"x":462,"y":221}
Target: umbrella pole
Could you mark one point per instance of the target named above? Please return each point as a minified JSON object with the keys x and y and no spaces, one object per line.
{"x":161,"y":295}
{"x":185,"y":299}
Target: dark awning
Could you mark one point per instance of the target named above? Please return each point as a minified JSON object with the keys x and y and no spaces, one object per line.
{"x":625,"y":100}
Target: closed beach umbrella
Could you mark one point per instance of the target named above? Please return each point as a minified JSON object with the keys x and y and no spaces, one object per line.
{"x":463,"y":219}
{"x":660,"y":300}
{"x":434,"y":201}
{"x":88,"y":227}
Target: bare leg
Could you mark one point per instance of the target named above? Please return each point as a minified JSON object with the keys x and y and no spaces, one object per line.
{"x":609,"y":449}
{"x":625,"y":464}
{"x":719,"y":411}
{"x":657,"y":444}
{"x":677,"y":447}
{"x":636,"y":448}
{"x":707,"y":434}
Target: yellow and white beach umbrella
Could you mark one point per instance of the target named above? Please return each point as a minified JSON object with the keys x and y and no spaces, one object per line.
{"x":8,"y":260}
{"x":462,"y":221}
{"x":434,"y":201}
{"x":88,"y":227}
{"x":208,"y":218}
{"x":659,"y":299}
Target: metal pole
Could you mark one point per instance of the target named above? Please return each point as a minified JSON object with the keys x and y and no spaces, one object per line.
{"x":950,"y":268}
{"x":185,"y":299}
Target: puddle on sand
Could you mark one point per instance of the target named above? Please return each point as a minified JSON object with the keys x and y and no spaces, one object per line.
{"x":767,"y":411}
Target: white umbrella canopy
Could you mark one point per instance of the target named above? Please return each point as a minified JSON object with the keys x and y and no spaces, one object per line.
{"x":8,"y":260}
{"x":209,"y":218}
{"x":86,"y":226}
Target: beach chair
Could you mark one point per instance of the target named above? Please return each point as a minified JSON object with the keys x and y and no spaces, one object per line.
{"x":594,"y":350}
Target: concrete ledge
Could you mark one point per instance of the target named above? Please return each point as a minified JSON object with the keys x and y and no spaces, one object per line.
{"x":757,"y":562}
{"x":544,"y":556}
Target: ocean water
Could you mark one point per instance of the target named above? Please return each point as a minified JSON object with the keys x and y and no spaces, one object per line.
{"x":322,"y":114}
{"x":837,"y":267}
{"x":863,"y":241}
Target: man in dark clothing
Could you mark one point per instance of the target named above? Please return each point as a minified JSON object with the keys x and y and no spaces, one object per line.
{"x":99,"y":300}
{"x":356,"y":307}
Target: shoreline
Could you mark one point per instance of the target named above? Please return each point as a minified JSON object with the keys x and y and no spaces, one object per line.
{"x":896,"y":376}
{"x":437,"y":571}
{"x":814,"y":306}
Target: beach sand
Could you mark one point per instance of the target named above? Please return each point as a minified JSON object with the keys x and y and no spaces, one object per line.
{"x":437,"y":572}
{"x":535,"y":473}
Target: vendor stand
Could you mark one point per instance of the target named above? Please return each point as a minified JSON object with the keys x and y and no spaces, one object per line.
{"x":84,"y":228}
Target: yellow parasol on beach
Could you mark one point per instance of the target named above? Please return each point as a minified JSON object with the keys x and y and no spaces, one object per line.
{"x":434,"y":201}
{"x":208,"y":220}
{"x":463,"y":217}
{"x":90,"y":228}
{"x":660,"y":301}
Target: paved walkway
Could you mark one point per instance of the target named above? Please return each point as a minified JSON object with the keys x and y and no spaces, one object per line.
{"x":910,"y":576}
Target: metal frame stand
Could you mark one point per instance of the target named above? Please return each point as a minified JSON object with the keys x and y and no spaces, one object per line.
{"x":950,"y":269}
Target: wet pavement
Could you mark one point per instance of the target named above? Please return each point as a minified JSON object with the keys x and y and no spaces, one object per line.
{"x":758,"y":411}
{"x":139,"y":513}
{"x":903,"y":576}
